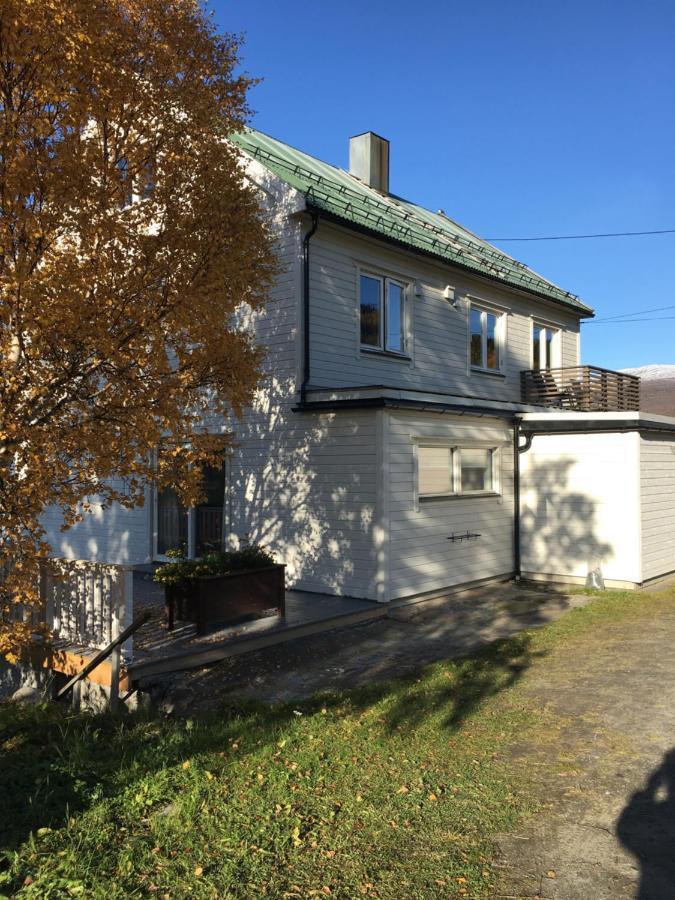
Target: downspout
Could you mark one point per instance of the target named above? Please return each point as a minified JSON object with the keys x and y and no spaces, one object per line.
{"x":305,"y":309}
{"x":517,"y":450}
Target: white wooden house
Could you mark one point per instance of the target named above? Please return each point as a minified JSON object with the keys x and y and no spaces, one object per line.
{"x":424,"y":422}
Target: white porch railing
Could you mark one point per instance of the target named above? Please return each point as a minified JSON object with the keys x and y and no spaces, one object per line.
{"x":84,"y":603}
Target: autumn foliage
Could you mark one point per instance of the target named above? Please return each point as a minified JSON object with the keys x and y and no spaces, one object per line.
{"x":129,"y":237}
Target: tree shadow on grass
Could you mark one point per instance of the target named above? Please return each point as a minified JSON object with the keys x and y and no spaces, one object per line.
{"x":466,"y":686}
{"x":55,"y":764}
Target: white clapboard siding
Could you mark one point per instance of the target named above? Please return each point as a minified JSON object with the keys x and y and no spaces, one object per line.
{"x":439,"y":347}
{"x":580,"y":507}
{"x":657,"y":489}
{"x":421,"y":559}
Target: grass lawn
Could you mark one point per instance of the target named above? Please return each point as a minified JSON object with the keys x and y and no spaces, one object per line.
{"x":393,"y":792}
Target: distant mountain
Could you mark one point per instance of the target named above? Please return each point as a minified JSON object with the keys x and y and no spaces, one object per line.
{"x":657,"y":388}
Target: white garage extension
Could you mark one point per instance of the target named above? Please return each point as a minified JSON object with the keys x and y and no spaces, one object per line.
{"x":597,"y":498}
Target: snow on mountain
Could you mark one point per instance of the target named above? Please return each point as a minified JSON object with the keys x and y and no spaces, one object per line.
{"x":657,"y":388}
{"x":654,"y":371}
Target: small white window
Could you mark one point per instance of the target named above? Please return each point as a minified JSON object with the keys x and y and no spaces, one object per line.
{"x":382,"y":309}
{"x":485,"y":335}
{"x":447,"y":471}
{"x":545,"y":347}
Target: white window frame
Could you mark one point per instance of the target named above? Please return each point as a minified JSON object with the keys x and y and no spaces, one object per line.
{"x":556,"y":344}
{"x":500,"y":335}
{"x":455,"y":448}
{"x":381,"y":347}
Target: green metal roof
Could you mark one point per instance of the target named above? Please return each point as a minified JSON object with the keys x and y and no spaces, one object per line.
{"x":335,"y":192}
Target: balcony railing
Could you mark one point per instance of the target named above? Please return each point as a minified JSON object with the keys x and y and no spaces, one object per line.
{"x":581,"y":388}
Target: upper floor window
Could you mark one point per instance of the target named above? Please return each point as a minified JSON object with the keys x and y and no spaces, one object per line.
{"x":382,"y":307}
{"x":485,"y":330}
{"x":545,"y":347}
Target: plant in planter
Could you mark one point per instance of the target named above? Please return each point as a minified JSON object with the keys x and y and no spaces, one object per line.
{"x":222,"y":587}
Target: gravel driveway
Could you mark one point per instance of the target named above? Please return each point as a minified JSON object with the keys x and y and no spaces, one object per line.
{"x":609,"y":830}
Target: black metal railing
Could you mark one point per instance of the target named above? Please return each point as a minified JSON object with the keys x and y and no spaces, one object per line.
{"x":581,"y":388}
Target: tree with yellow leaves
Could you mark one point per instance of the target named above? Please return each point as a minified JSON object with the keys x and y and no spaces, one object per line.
{"x":129,"y":237}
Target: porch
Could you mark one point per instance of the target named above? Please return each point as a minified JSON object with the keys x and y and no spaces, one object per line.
{"x":158,"y":650}
{"x":108,"y":629}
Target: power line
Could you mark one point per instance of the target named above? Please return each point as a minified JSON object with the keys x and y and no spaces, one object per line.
{"x":628,"y":321}
{"x":579,"y":237}
{"x":638,"y":312}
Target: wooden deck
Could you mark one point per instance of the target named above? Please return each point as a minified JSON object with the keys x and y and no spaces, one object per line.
{"x":158,"y":651}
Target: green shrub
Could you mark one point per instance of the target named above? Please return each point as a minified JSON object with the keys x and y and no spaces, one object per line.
{"x":182,"y":570}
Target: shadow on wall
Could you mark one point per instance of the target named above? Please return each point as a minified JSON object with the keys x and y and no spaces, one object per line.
{"x":303,"y":485}
{"x":113,"y":535}
{"x":646,"y":827}
{"x":559,"y":529}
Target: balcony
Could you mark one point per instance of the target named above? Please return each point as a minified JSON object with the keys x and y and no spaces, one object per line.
{"x":581,"y":389}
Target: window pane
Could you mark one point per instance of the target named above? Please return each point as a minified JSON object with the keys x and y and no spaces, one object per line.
{"x":394,"y":316}
{"x":209,"y":515}
{"x":172,"y":522}
{"x":476,"y":338}
{"x":492,"y":347}
{"x":536,"y":347}
{"x":434,"y":466}
{"x":370,"y":311}
{"x":476,"y":468}
{"x":549,"y":347}
{"x":126,"y":186}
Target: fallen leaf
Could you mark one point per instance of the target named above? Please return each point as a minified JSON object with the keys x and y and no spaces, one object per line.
{"x":550,"y":873}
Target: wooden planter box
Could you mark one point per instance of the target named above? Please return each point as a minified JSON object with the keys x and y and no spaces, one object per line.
{"x":228,"y":599}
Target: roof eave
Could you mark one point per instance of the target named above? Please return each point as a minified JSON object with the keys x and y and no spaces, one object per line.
{"x":583,"y":311}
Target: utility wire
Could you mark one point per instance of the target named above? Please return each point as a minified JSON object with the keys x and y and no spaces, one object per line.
{"x":580,"y":237}
{"x":638,"y":312}
{"x":628,"y":321}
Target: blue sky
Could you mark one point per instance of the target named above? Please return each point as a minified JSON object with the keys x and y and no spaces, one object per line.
{"x":517,"y":118}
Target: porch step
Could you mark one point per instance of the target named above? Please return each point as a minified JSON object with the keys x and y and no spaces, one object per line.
{"x":201,"y":656}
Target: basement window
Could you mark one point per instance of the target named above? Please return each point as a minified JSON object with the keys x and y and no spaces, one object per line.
{"x":382,"y":312}
{"x":445,"y":470}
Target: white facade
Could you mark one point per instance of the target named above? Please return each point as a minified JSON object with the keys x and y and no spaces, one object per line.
{"x":332,"y":489}
{"x":599,"y":507}
{"x":438,"y":330}
{"x":580,"y":508}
